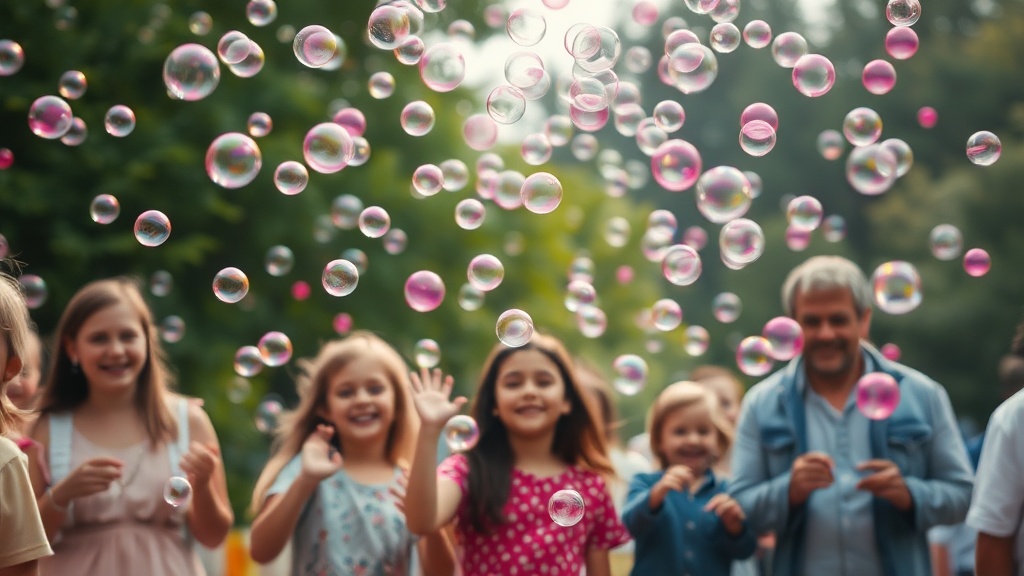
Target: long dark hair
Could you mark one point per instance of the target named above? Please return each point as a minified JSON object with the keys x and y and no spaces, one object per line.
{"x":579,"y":435}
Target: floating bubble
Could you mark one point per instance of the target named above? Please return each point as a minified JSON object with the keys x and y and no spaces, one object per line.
{"x":813,"y":75}
{"x":726,"y":307}
{"x":279,"y":260}
{"x":261,"y":12}
{"x":424,"y":291}
{"x":104,"y":209}
{"x":356,"y":257}
{"x":616,"y":231}
{"x":49,"y":117}
{"x":541,"y":193}
{"x":76,"y":134}
{"x":506,"y":104}
{"x":902,"y":152}
{"x":340,"y":277}
{"x":259,"y":124}
{"x":172,"y":329}
{"x":461,"y":433}
{"x":395,"y":241}
{"x":579,"y":293}
{"x":268,"y":412}
{"x":119,"y":121}
{"x":903,"y":12}
{"x":301,"y":290}
{"x":443,"y":67}
{"x":432,"y":6}
{"x":878,"y":77}
{"x":410,"y":51}
{"x":417,"y":118}
{"x":830,"y":144}
{"x":251,"y":64}
{"x":469,"y":214}
{"x":388,"y":26}
{"x":239,"y":390}
{"x":536,"y":149}
{"x":591,"y":321}
{"x":725,"y":11}
{"x":485,"y":272}
{"x":788,"y":48}
{"x":697,"y":340}
{"x":6,"y":158}
{"x":676,"y":165}
{"x":328,"y":148}
{"x":946,"y":242}
{"x":426,"y":353}
{"x":566,"y":508}
{"x":34,"y":289}
{"x":757,"y":138}
{"x":191,"y":72}
{"x":630,"y":374}
{"x":152,"y":228}
{"x":480,"y":132}
{"x":891,"y":352}
{"x":470,"y":298}
{"x":725,"y":37}
{"x":12,"y":57}
{"x":927,"y":117}
{"x":666,"y":314}
{"x":760,"y":111}
{"x":896,"y":287}
{"x":230,"y":285}
{"x":804,"y":213}
{"x":233,"y":47}
{"x":342,"y":323}
{"x":603,"y":56}
{"x":901,"y":42}
{"x":797,"y":239}
{"x":723,"y":194}
{"x":754,"y":356}
{"x":233,"y":160}
{"x":160,"y":283}
{"x":291,"y":177}
{"x":785,"y":337}
{"x":757,"y":34}
{"x":871,"y":170}
{"x":72,"y":84}
{"x":275,"y":348}
{"x":454,"y":174}
{"x":681,"y":265}
{"x":741,"y":241}
{"x":983,"y":148}
{"x":862,"y":126}
{"x":638,"y":59}
{"x":878,"y":395}
{"x":248,"y":361}
{"x":668,"y":116}
{"x":427,"y":179}
{"x":381,"y":85}
{"x":526,"y":27}
{"x":314,"y":46}
{"x":177,"y":491}
{"x":977,"y":262}
{"x":692,"y":68}
{"x":514,"y":328}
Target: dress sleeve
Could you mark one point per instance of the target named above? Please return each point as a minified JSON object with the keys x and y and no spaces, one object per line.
{"x":456,"y":469}
{"x":605,"y":531}
{"x":22,"y":538}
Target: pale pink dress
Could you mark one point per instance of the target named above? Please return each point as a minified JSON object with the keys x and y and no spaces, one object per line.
{"x":129,"y":530}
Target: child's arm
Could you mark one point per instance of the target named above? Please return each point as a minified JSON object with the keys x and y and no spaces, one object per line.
{"x":279,"y":514}
{"x":209,"y":516}
{"x":735,"y":539}
{"x":598,"y":563}
{"x":430,"y":504}
{"x":30,"y":568}
{"x":437,"y":555}
{"x":647,"y":495}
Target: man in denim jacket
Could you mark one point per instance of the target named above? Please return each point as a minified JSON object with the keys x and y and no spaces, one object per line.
{"x":846,"y":495}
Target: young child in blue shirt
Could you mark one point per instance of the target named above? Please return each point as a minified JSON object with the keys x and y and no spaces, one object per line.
{"x":681,"y":517}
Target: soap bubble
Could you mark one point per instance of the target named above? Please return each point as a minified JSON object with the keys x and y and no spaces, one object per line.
{"x":896,"y":287}
{"x":862,"y":126}
{"x":878,"y":395}
{"x":119,"y":121}
{"x":726,"y":307}
{"x":388,"y":26}
{"x":681,"y":265}
{"x":34,"y":289}
{"x":470,"y":213}
{"x":230,"y":285}
{"x":443,"y":67}
{"x":946,"y":242}
{"x":526,"y":27}
{"x":977,"y":262}
{"x":275,"y":348}
{"x":104,"y":209}
{"x":417,"y":118}
{"x":787,"y":48}
{"x":248,"y":361}
{"x":676,"y":165}
{"x":261,"y":12}
{"x":424,"y":291}
{"x":259,"y":124}
{"x":72,"y":84}
{"x":541,"y":193}
{"x":757,"y":138}
{"x":754,"y":356}
{"x":879,"y":77}
{"x":566,"y":507}
{"x":340,"y":277}
{"x":191,"y":72}
{"x":461,"y":433}
{"x":177,"y":491}
{"x":697,"y":340}
{"x":901,"y":42}
{"x":804,"y":213}
{"x":983,"y":148}
{"x":314,"y":46}
{"x":666,"y":314}
{"x":268,"y":412}
{"x":328,"y":148}
{"x":152,"y":228}
{"x":233,"y":160}
{"x":723,"y":194}
{"x":427,"y":353}
{"x":172,"y":329}
{"x":279,"y":260}
{"x":12,"y":57}
{"x":506,"y":104}
{"x":470,"y":298}
{"x":725,"y":37}
{"x":485,"y":272}
{"x":785,"y":337}
{"x":514,"y":328}
{"x":49,"y":117}
{"x":630,"y":374}
{"x":903,"y":12}
{"x":741,"y":242}
{"x":374,"y":221}
{"x":291,"y":177}
{"x":813,"y":75}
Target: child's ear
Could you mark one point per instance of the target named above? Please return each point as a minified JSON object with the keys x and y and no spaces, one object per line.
{"x":12,"y":369}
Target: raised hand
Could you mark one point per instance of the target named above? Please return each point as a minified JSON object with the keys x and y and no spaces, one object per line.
{"x":810,"y":472}
{"x":91,"y":477}
{"x":886,"y":482}
{"x":430,"y":393}
{"x":728,"y":511}
{"x":676,"y":478}
{"x":199,"y":463}
{"x":319,"y":459}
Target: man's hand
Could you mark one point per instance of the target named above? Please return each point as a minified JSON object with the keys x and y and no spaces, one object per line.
{"x":810,"y":472}
{"x":886,"y":482}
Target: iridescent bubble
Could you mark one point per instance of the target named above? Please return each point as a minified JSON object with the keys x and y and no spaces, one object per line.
{"x":541,"y":193}
{"x":506,"y":104}
{"x":480,"y":132}
{"x":813,"y":75}
{"x":834,"y":228}
{"x":760,"y":111}
{"x":470,"y":298}
{"x":977,"y":262}
{"x":871,"y":170}
{"x":160,"y":283}
{"x":797,"y":239}
{"x":340,"y":277}
{"x":461,"y":433}
{"x":233,"y":160}
{"x":725,"y":11}
{"x":119,"y":121}
{"x":603,"y":56}
{"x":230,"y":285}
{"x":831,"y":144}
{"x":172,"y":329}
{"x":804,"y":213}
{"x":579,"y":293}
{"x":233,"y":47}
{"x":443,"y":67}
{"x":692,"y":68}
{"x":239,"y":390}
{"x":669,"y":115}
{"x":903,"y":12}
{"x":862,"y":126}
{"x":526,"y":27}
{"x":726,"y":307}
{"x":432,"y":6}
{"x":878,"y":395}
{"x":251,"y":64}
{"x":645,"y":13}
{"x":536,"y":149}
{"x":566,"y":507}
{"x":75,"y":135}
{"x":34,"y":289}
{"x":279,"y":260}
{"x":104,"y":209}
{"x":360,"y":151}
{"x":723,"y":194}
{"x":427,"y":179}
{"x":424,"y":291}
{"x":314,"y":46}
{"x":741,"y":241}
{"x":191,"y":72}
{"x":701,"y":6}
{"x":374,"y":222}
{"x":152,"y":228}
{"x":426,"y":353}
{"x":757,"y":138}
{"x":49,"y":117}
{"x":395,"y":241}
{"x":630,"y":374}
{"x":754,"y":356}
{"x":6,"y":159}
{"x":485,"y":272}
{"x":584,"y":147}
{"x":676,"y":165}
{"x":558,"y":129}
{"x":666,"y":314}
{"x":388,"y":26}
{"x":291,"y":177}
{"x":455,"y":174}
{"x":725,"y":37}
{"x":983,"y":148}
{"x":261,"y":12}
{"x":638,"y":59}
{"x":72,"y":84}
{"x":328,"y":148}
{"x":901,"y":42}
{"x":275,"y":348}
{"x":878,"y":77}
{"x":12,"y":57}
{"x":785,"y":337}
{"x":681,"y":265}
{"x":896,"y":287}
{"x":268,"y":412}
{"x":259,"y":124}
{"x":679,"y":37}
{"x":417,"y":118}
{"x":381,"y":85}
{"x":616,"y":231}
{"x":470,"y":213}
{"x":410,"y":51}
{"x":697,"y":340}
{"x":591,"y":321}
{"x":664,"y":221}
{"x":788,"y":48}
{"x":177,"y":491}
{"x":757,"y":34}
{"x":946,"y":242}
{"x":514,"y":328}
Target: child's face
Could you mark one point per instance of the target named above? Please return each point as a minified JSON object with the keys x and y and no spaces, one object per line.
{"x":530,"y":394}
{"x":727,"y":395}
{"x":689,"y":437}
{"x":111,"y":349}
{"x":23,"y":387}
{"x":360,"y":401}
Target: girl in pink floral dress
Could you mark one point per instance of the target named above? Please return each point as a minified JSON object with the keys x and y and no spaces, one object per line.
{"x":539,"y":435}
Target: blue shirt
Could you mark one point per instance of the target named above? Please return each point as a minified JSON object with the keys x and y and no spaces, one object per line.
{"x":840,"y":538}
{"x":680,"y":538}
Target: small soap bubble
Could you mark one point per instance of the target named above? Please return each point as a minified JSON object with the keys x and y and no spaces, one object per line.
{"x":248,"y":361}
{"x":410,"y":51}
{"x":901,"y":42}
{"x":541,"y":193}
{"x":259,"y":124}
{"x":681,"y":265}
{"x":695,"y":237}
{"x":426,"y":353}
{"x":6,"y":158}
{"x":630,"y":374}
{"x":725,"y":37}
{"x":676,"y":165}
{"x":813,"y":75}
{"x":160,"y":283}
{"x":301,"y":290}
{"x":469,"y":214}
{"x":723,"y":194}
{"x":395,"y":241}
{"x":862,"y":126}
{"x":514,"y":328}
{"x":12,"y":57}
{"x":374,"y":222}
{"x":279,"y":260}
{"x":291,"y":177}
{"x":342,"y":323}
{"x":268,"y":413}
{"x":831,"y":144}
{"x":579,"y":293}
{"x":757,"y":34}
{"x":381,"y":85}
{"x":741,"y":242}
{"x":152,"y":228}
{"x":470,"y":298}
{"x":754,"y":356}
{"x":526,"y":27}
{"x":328,"y":148}
{"x":72,"y":84}
{"x":726,"y":307}
{"x":233,"y":160}
{"x":977,"y":262}
{"x":275,"y":348}
{"x":461,"y":433}
{"x":230,"y":285}
{"x":927,"y":117}
{"x":200,"y":23}
{"x":666,"y":314}
{"x":757,"y":138}
{"x":424,"y":291}
{"x":76,"y":134}
{"x":983,"y":148}
{"x":388,"y":27}
{"x":903,"y":12}
{"x":49,"y":117}
{"x":566,"y":508}
{"x":878,"y":395}
{"x":104,"y":209}
{"x":878,"y":77}
{"x":233,"y":47}
{"x":418,"y":118}
{"x":34,"y":289}
{"x":896,"y":287}
{"x":177,"y":491}
{"x":946,"y":242}
{"x":480,"y":132}
{"x":903,"y":153}
{"x":119,"y":121}
{"x":506,"y":104}
{"x":261,"y":12}
{"x":591,"y":321}
{"x":427,"y":179}
{"x":172,"y":329}
{"x":891,"y":352}
{"x":191,"y":72}
{"x":443,"y":67}
{"x":804,"y":213}
{"x":485,"y":272}
{"x":872,"y":169}
{"x":785,"y":337}
{"x":356,"y":257}
{"x":787,"y":48}
{"x":340,"y":277}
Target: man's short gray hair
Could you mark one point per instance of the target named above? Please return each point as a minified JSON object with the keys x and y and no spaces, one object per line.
{"x":823,"y":273}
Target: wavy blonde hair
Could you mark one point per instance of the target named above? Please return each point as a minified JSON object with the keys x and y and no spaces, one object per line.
{"x":681,"y":395}
{"x":14,"y":325}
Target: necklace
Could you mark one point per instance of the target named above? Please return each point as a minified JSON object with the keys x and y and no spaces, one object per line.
{"x":134,"y":467}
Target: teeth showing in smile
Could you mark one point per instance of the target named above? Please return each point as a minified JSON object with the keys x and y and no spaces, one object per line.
{"x":363,"y":418}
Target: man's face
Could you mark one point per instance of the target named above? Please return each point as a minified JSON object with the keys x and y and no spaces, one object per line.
{"x":832,"y":330}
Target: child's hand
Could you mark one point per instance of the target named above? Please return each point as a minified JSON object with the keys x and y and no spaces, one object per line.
{"x":199,"y":463}
{"x":728,"y":511}
{"x":677,"y":478}
{"x":430,"y":393}
{"x":319,"y":459}
{"x":91,"y":477}
{"x":397,"y":490}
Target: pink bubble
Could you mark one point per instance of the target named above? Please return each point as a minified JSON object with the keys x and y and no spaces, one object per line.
{"x":879,"y":77}
{"x":901,"y":42}
{"x":878,"y":395}
{"x":424,"y":291}
{"x":645,"y":13}
{"x":480,"y":132}
{"x":797,"y":239}
{"x":760,"y":111}
{"x":785,"y":336}
{"x":6,"y":158}
{"x":301,"y":290}
{"x":927,"y":117}
{"x":342,"y":323}
{"x":891,"y":352}
{"x":49,"y":117}
{"x":676,"y":165}
{"x":624,"y":274}
{"x":352,"y":120}
{"x":695,"y":237}
{"x":977,"y":262}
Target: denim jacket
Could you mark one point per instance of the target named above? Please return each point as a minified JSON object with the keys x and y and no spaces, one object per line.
{"x":921,"y":437}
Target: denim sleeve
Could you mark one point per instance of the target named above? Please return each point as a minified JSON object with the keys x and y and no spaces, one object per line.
{"x":637,"y":514}
{"x":764,"y":500}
